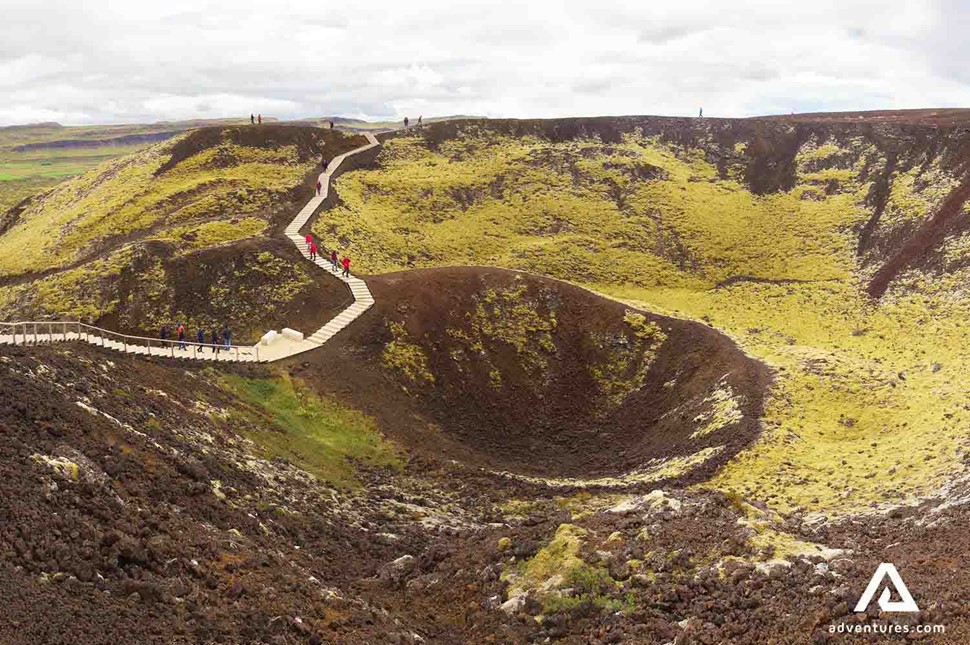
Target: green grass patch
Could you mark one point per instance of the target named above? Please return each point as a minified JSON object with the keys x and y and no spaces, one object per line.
{"x":314,"y":433}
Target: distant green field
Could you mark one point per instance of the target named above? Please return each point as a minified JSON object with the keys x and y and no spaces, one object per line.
{"x":20,"y":179}
{"x":69,"y":151}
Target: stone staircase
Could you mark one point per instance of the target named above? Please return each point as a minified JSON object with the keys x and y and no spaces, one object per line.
{"x":43,"y":332}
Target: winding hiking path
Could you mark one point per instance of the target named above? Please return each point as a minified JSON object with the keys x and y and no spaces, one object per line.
{"x":27,"y":333}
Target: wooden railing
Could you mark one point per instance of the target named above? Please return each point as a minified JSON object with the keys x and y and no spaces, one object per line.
{"x":36,"y":332}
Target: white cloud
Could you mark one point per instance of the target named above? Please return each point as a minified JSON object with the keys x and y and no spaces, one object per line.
{"x":110,"y":61}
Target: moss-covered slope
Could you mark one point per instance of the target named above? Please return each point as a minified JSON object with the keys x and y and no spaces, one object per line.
{"x":770,"y":230}
{"x":177,"y":232}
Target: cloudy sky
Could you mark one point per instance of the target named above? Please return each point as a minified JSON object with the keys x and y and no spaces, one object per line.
{"x":107,"y":61}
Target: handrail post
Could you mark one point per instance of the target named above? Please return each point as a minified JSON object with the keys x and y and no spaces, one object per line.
{"x":194,"y":348}
{"x":35,"y":334}
{"x":173,"y":349}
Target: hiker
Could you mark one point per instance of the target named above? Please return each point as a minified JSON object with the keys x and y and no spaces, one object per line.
{"x":700,"y":115}
{"x":180,"y":331}
{"x":252,"y":118}
{"x":309,"y":241}
{"x":163,"y":333}
{"x":226,"y":336}
{"x":419,"y":120}
{"x":346,"y":263}
{"x":313,"y":252}
{"x":319,"y":186}
{"x":200,"y":339}
{"x":331,"y":125}
{"x":333,"y":260}
{"x":215,"y":341}
{"x":260,"y":118}
{"x":325,"y":163}
{"x":405,"y":122}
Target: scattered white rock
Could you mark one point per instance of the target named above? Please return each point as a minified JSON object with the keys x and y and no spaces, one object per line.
{"x":514,"y":605}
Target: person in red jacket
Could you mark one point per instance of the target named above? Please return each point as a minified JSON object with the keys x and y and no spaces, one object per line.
{"x":319,"y":186}
{"x":313,"y":252}
{"x":260,"y":119}
{"x":309,"y":241}
{"x":333,"y":260}
{"x":346,"y":263}
{"x":180,"y":330}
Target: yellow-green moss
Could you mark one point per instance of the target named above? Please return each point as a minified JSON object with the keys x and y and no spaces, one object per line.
{"x":843,"y":429}
{"x":558,"y":566}
{"x":85,"y":293}
{"x":125,"y":197}
{"x":558,"y":558}
{"x":63,"y":467}
{"x":207,"y":234}
{"x":724,"y":409}
{"x":573,"y":211}
{"x":509,"y":317}
{"x":406,"y":357}
{"x":627,"y":361}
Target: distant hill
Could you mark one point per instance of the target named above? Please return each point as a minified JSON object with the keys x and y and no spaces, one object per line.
{"x":360,"y":125}
{"x":925,"y":116}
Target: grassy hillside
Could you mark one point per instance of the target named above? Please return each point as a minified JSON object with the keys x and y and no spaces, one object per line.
{"x":34,"y":158}
{"x":766,"y":230}
{"x":174,"y":232}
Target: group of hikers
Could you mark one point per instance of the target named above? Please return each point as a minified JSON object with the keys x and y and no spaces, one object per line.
{"x":216,"y":341}
{"x":253,"y":118}
{"x":335,"y":264}
{"x":420,"y":118}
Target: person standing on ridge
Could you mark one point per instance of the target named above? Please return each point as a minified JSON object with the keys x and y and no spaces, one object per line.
{"x":333,"y":260}
{"x":226,"y":337}
{"x":346,"y":263}
{"x":252,"y":118}
{"x":405,"y":122}
{"x":260,"y":118}
{"x":419,"y":120}
{"x":313,"y":252}
{"x":309,"y":241}
{"x":331,"y":125}
{"x":700,"y":114}
{"x":319,"y":186}
{"x":200,"y":339}
{"x":180,"y":332}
